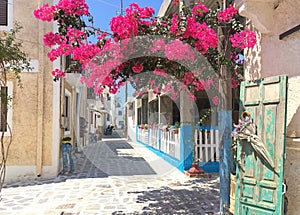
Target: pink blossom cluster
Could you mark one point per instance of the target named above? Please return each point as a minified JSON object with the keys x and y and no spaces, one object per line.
{"x":174,"y":25}
{"x":110,"y":55}
{"x":51,"y":39}
{"x":160,"y":72}
{"x":244,"y":39}
{"x":175,"y":2}
{"x":158,"y":45}
{"x":74,"y":35}
{"x":199,"y":9}
{"x":203,"y":85}
{"x":177,"y":50}
{"x":77,"y":7}
{"x":141,"y":13}
{"x":70,"y":7}
{"x":204,"y":36}
{"x":85,"y":52}
{"x":127,"y":26}
{"x":227,"y":14}
{"x":58,"y":73}
{"x":63,"y":49}
{"x":137,"y":68}
{"x":215,"y":100}
{"x":124,"y":26}
{"x":45,"y":13}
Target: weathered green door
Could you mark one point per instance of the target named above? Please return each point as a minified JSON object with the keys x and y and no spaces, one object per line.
{"x":259,"y":189}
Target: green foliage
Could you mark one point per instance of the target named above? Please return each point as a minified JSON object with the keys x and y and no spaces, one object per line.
{"x":12,"y":58}
{"x":204,"y":116}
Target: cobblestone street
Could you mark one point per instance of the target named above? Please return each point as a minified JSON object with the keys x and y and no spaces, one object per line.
{"x":114,"y":177}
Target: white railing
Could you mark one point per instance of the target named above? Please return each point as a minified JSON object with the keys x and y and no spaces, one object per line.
{"x":154,"y":137}
{"x":207,"y":145}
{"x":143,"y":135}
{"x":170,"y":143}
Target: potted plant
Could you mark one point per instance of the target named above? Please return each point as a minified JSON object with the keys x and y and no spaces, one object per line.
{"x":176,"y":127}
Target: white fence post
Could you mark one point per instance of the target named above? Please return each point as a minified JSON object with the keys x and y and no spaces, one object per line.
{"x":207,"y":144}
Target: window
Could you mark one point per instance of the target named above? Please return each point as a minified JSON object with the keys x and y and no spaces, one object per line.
{"x":91,"y":117}
{"x":120,"y":113}
{"x":67,"y":112}
{"x":5,"y":108}
{"x":108,"y":117}
{"x":4,"y":12}
{"x":108,"y":97}
{"x":4,"y":100}
{"x":6,"y":16}
{"x":90,"y":93}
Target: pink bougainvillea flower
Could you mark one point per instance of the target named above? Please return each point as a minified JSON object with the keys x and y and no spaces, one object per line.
{"x":45,"y":13}
{"x":191,"y":96}
{"x":124,"y":26}
{"x":227,"y":14}
{"x":77,"y":7}
{"x":175,"y":2}
{"x":244,"y":39}
{"x":188,"y":78}
{"x":75,"y":35}
{"x":177,"y":50}
{"x":215,"y":100}
{"x":137,"y":68}
{"x":234,"y":83}
{"x":98,"y":90}
{"x":160,"y":72}
{"x":63,"y":49}
{"x":158,"y":45}
{"x":199,"y":9}
{"x":58,"y":73}
{"x":85,"y":52}
{"x":174,"y":25}
{"x":51,"y":39}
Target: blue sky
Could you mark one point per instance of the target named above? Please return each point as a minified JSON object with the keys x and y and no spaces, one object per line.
{"x":104,"y":10}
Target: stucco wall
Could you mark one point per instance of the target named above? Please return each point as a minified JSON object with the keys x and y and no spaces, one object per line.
{"x":271,"y":57}
{"x":33,"y":104}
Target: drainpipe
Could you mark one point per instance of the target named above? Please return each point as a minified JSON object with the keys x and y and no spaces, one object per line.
{"x":40,"y":102}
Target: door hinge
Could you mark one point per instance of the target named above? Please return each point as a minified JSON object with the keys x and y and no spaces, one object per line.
{"x":284,"y":188}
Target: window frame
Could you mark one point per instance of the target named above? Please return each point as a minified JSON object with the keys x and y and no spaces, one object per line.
{"x":67,"y":111}
{"x":9,"y":110}
{"x":9,"y":24}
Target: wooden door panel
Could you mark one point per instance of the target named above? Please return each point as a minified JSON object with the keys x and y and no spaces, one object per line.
{"x":259,"y":186}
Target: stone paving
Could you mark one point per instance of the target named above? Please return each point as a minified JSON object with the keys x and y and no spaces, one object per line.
{"x":114,"y":177}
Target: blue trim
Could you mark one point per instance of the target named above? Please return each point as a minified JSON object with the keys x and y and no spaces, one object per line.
{"x":210,"y":167}
{"x":137,"y":132}
{"x":226,"y":162}
{"x":207,"y":127}
{"x":158,"y":139}
{"x":173,"y":161}
{"x":186,"y":145}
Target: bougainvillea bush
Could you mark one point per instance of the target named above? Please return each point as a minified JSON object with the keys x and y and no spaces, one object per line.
{"x":177,"y":52}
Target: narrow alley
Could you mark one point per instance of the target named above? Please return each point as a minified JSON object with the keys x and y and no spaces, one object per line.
{"x":114,"y":176}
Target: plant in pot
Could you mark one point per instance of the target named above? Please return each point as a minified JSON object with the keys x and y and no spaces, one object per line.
{"x":176,"y":127}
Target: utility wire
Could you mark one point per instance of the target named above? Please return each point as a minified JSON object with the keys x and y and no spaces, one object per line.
{"x":107,"y":3}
